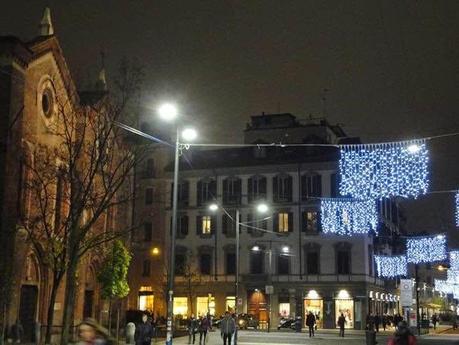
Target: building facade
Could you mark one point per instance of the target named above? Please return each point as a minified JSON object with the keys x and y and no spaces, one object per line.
{"x":288,"y":267}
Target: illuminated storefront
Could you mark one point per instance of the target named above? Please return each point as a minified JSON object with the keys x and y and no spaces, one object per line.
{"x":180,"y":306}
{"x":313,"y":303}
{"x":344,"y":304}
{"x":146,"y":298}
{"x":205,"y":305}
{"x":230,"y":304}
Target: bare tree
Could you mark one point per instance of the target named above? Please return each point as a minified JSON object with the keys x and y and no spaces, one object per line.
{"x":80,"y":183}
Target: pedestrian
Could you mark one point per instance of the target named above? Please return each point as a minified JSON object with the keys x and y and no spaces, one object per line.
{"x":310,"y":322}
{"x":144,"y":332}
{"x":341,"y":324}
{"x":397,"y":319}
{"x":384,"y":322}
{"x":434,"y":321}
{"x":317,"y":319}
{"x":203,"y":328}
{"x":18,"y":331}
{"x":377,"y":322}
{"x":227,"y":328}
{"x":192,"y":328}
{"x":402,"y":336}
{"x":370,"y":322}
{"x":91,"y":333}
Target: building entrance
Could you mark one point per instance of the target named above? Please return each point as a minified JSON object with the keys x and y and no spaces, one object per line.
{"x":28,"y":311}
{"x":316,"y":307}
{"x":258,"y":307}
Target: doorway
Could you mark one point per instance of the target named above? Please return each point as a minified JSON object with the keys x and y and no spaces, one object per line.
{"x":88,"y":303}
{"x":28,"y":311}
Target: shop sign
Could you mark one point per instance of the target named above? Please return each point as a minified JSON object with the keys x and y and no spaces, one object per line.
{"x":406,"y":292}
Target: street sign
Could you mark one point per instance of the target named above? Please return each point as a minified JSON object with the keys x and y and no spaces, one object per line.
{"x":406,"y":292}
{"x":269,"y":289}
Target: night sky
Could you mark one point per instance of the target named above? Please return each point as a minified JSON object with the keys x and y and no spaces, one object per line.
{"x":391,"y":67}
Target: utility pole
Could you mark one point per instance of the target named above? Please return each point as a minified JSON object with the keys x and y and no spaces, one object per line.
{"x":416,"y":280}
{"x":236,"y":285}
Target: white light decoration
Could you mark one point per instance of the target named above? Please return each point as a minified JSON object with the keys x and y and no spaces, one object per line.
{"x":376,"y":171}
{"x":454,"y":260}
{"x":452,"y":276}
{"x":443,"y":286}
{"x":426,"y":249}
{"x":391,"y":266}
{"x":457,"y":208}
{"x":348,"y":216}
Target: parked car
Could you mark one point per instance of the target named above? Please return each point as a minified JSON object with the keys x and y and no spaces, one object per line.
{"x":286,"y":323}
{"x":246,"y":321}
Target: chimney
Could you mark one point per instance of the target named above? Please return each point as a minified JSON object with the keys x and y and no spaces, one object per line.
{"x":46,"y":26}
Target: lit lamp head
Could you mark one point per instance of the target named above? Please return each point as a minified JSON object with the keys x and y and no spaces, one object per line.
{"x":155,"y":251}
{"x":168,"y":112}
{"x":256,"y":248}
{"x":213,"y":207}
{"x":285,"y":249}
{"x":189,"y":134}
{"x":262,"y":208}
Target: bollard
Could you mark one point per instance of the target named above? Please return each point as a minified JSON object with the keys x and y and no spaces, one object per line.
{"x":370,"y":337}
{"x":130,"y":331}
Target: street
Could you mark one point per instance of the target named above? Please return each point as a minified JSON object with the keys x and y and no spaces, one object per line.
{"x":322,"y":337}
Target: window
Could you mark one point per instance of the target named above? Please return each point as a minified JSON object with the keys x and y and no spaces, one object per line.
{"x":147,"y":232}
{"x":207,"y":191}
{"x":310,"y":221}
{"x":182,"y":193}
{"x":256,"y":262}
{"x":282,"y":188}
{"x":283,"y":222}
{"x":343,"y":261}
{"x":149,"y":168}
{"x":256,"y":221}
{"x":146,"y":268}
{"x":205,"y":305}
{"x":230,"y":304}
{"x":180,"y":262}
{"x":283,"y":264}
{"x":149,"y":196}
{"x":205,"y":225}
{"x":182,"y":224}
{"x":205,"y":263}
{"x":311,"y":186}
{"x":334,"y":185}
{"x":232,"y":191}
{"x":230,"y":263}
{"x":256,"y":188}
{"x":146,"y":298}
{"x":312,"y":262}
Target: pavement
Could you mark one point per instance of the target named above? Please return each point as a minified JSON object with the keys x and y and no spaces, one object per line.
{"x":322,"y":337}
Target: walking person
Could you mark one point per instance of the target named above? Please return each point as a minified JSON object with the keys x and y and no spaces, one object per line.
{"x":384,"y":322}
{"x":310,"y":322}
{"x":402,"y":336}
{"x":341,"y":324}
{"x":192,"y":328}
{"x":204,"y":326}
{"x":91,"y":333}
{"x":434,"y":321}
{"x":227,"y":328}
{"x":377,"y":322}
{"x":144,"y":332}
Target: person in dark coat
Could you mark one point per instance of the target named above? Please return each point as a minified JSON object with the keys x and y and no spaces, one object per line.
{"x":227,"y":328}
{"x":341,"y":324}
{"x":192,"y":329}
{"x":434,"y":321}
{"x":384,"y":322}
{"x":377,"y":322}
{"x":310,"y":322}
{"x":144,"y":332}
{"x":204,"y":326}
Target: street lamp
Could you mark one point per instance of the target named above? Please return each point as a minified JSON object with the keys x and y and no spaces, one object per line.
{"x":262,"y":208}
{"x":169,"y":112}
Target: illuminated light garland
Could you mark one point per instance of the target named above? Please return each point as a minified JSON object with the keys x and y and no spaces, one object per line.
{"x":452,"y":276}
{"x":376,"y":171}
{"x":391,"y":266}
{"x":443,"y":286}
{"x":426,"y":249}
{"x":348,"y":216}
{"x":454,"y":260}
{"x":457,"y":208}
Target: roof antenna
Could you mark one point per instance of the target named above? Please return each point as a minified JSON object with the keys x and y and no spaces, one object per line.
{"x":324,"y":101}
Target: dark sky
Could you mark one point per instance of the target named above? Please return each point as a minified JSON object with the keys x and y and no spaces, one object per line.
{"x":391,"y":67}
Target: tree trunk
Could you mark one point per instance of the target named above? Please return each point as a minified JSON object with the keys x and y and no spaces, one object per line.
{"x":117,"y":324}
{"x":109,"y":326}
{"x":70,"y":294}
{"x":50,"y":317}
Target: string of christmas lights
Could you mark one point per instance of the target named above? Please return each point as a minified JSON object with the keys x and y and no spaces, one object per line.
{"x":348,"y":216}
{"x":376,"y":171}
{"x":391,"y":266}
{"x":426,"y":249}
{"x":443,"y":286}
{"x":457,"y":208}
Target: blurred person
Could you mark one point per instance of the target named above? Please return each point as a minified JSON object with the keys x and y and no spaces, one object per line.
{"x":144,"y":331}
{"x":402,"y":336}
{"x":91,"y":333}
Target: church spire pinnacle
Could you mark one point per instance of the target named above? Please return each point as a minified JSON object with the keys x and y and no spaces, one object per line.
{"x":101,"y":83}
{"x":46,"y":26}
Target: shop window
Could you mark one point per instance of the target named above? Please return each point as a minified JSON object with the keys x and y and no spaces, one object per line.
{"x":146,"y":268}
{"x":146,"y":298}
{"x":180,"y":306}
{"x":311,"y":186}
{"x":283,"y":264}
{"x":283,"y":222}
{"x":232,"y":191}
{"x":345,"y":306}
{"x":311,"y":221}
{"x":149,"y":196}
{"x":230,"y":263}
{"x":205,"y":263}
{"x":282,"y":188}
{"x":230,"y":304}
{"x":312,"y":262}
{"x":284,"y":310}
{"x":207,"y":191}
{"x":205,"y":305}
{"x":147,"y":232}
{"x":180,"y":262}
{"x":256,"y":262}
{"x":256,"y":188}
